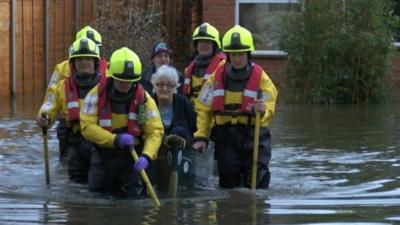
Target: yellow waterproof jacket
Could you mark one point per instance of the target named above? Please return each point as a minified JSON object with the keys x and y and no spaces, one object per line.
{"x":56,"y":102}
{"x":152,"y":132}
{"x":205,"y":114}
{"x":61,"y":71}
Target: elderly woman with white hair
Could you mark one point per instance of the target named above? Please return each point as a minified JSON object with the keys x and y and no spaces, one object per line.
{"x":179,"y":120}
{"x":177,"y":112}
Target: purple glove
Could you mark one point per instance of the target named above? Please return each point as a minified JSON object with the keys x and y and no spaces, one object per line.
{"x":141,"y":164}
{"x":124,"y":140}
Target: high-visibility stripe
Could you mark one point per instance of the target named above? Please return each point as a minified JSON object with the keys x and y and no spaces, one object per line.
{"x":218,"y":92}
{"x":249,"y":93}
{"x":71,"y":105}
{"x":151,"y":114}
{"x":105,"y":122}
{"x":132,"y":116}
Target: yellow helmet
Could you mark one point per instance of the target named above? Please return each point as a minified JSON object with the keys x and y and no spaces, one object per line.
{"x":206,"y":32}
{"x":125,"y":65}
{"x":84,"y":47}
{"x":237,"y":39}
{"x":89,"y":32}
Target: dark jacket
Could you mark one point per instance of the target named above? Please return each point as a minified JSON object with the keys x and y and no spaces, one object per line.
{"x":148,"y":73}
{"x":183,"y":119}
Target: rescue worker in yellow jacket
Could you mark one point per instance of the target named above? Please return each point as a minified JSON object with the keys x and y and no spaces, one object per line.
{"x":208,"y":56}
{"x":230,"y":97}
{"x":118,"y":117}
{"x":62,"y":71}
{"x":67,"y":97}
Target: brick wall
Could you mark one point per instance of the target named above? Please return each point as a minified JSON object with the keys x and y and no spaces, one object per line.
{"x":221,"y":14}
{"x":396,"y":71}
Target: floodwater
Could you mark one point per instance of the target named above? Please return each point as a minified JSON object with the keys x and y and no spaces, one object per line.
{"x":330,"y":165}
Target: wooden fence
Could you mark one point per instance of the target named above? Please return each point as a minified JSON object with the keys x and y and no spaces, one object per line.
{"x":36,"y":35}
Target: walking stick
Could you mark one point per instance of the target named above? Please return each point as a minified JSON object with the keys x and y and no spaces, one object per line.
{"x":173,"y":177}
{"x":147,"y":181}
{"x":255,"y":146}
{"x":46,"y":155}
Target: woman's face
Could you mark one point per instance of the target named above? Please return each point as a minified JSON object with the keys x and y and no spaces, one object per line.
{"x":164,"y":88}
{"x":84,"y":65}
{"x":122,"y":86}
{"x":238,"y":59}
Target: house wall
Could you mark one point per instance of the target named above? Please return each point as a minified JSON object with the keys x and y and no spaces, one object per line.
{"x":221,"y":14}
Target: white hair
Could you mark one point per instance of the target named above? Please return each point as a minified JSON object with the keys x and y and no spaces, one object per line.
{"x":168,"y":72}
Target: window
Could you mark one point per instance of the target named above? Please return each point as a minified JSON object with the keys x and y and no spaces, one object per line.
{"x":263,"y":19}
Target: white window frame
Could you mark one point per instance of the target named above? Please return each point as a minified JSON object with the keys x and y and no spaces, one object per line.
{"x":277,"y":53}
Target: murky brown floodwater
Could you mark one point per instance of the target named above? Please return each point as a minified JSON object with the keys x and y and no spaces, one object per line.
{"x":330,"y":165}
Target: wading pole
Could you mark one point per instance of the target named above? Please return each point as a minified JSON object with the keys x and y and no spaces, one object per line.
{"x":255,"y":147}
{"x":173,"y":177}
{"x":147,"y":181}
{"x":46,"y":155}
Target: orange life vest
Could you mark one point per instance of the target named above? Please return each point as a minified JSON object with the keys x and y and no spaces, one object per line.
{"x":105,"y":112}
{"x":71,"y":93}
{"x":249,"y":93}
{"x":210,"y":69}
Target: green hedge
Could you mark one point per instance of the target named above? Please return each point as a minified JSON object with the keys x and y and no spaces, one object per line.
{"x":339,"y":51}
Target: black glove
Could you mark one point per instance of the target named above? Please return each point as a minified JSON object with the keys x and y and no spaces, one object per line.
{"x":175,"y":140}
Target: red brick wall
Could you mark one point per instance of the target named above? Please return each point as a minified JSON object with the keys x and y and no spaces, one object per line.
{"x":396,"y":71}
{"x":221,"y":14}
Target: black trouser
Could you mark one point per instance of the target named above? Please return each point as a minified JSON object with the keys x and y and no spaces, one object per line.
{"x":78,"y":159}
{"x":111,"y":170}
{"x":234,"y":152}
{"x":62,"y":136}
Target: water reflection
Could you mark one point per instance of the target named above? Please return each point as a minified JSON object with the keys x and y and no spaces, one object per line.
{"x":330,"y":165}
{"x":14,"y":211}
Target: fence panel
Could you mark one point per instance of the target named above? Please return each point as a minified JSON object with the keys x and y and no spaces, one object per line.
{"x":5,"y":17}
{"x":30,"y":37}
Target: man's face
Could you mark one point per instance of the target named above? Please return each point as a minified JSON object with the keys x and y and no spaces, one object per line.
{"x":238,"y":59}
{"x":205,"y":47}
{"x":84,"y":65}
{"x":161,"y":58}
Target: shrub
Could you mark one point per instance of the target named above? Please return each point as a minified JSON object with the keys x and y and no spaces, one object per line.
{"x":339,"y":51}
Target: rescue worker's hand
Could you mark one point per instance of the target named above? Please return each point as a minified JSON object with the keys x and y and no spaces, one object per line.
{"x":124,"y":140}
{"x":141,"y":164}
{"x":200,"y":146}
{"x":175,"y":140}
{"x":259,"y":106}
{"x":43,"y":120}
